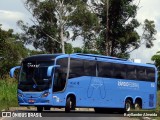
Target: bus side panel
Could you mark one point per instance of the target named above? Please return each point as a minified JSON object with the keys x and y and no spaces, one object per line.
{"x":106,"y":92}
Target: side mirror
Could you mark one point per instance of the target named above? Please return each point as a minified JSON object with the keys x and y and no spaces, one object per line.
{"x":50,"y":68}
{"x":13,"y":70}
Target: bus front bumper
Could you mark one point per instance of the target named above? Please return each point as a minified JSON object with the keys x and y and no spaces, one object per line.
{"x":34,"y":101}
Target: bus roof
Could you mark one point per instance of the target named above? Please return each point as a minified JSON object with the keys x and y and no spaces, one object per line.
{"x":112,"y":59}
{"x":51,"y":57}
{"x":100,"y":56}
{"x":42,"y":57}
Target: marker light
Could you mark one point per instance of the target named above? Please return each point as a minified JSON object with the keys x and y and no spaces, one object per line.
{"x":45,"y":94}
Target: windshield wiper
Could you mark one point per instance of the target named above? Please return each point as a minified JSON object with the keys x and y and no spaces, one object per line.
{"x":34,"y":81}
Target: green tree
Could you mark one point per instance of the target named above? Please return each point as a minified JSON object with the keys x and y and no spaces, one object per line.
{"x":84,"y":24}
{"x":106,"y":26}
{"x":50,"y":31}
{"x":116,"y":35}
{"x":11,"y":51}
{"x":68,"y":48}
{"x":156,"y":59}
{"x":77,"y":50}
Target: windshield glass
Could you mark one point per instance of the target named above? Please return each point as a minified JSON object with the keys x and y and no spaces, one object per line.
{"x":33,"y":76}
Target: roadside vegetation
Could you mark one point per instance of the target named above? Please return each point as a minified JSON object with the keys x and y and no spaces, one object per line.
{"x":8,"y":96}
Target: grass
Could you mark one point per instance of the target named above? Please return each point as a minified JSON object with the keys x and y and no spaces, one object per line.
{"x":8,"y":94}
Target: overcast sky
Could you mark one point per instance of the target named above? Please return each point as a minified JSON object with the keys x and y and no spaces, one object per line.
{"x":13,"y":10}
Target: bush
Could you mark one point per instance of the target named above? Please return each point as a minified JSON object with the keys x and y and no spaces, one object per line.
{"x":8,"y":95}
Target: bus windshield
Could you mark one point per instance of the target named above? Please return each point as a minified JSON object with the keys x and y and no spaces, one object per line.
{"x":33,"y":76}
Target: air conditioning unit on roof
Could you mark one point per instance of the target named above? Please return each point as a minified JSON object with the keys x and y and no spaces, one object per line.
{"x":137,"y":60}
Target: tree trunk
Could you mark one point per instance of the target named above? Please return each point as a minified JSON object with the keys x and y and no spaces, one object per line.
{"x":62,"y":39}
{"x":107,"y":47}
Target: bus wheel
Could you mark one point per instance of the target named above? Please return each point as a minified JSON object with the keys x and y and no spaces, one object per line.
{"x":128,"y":105}
{"x":68,"y":105}
{"x":138,"y":105}
{"x":97,"y":110}
{"x":47,"y":108}
{"x":39,"y":109}
{"x":73,"y":103}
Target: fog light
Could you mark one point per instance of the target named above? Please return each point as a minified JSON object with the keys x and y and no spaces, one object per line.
{"x":20,"y":94}
{"x":45,"y":94}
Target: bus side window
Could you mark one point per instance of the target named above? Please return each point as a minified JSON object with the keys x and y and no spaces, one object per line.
{"x":141,"y":73}
{"x":89,"y":68}
{"x":76,"y":68}
{"x":131,"y":72}
{"x":105,"y":69}
{"x":60,"y":75}
{"x":59,"y":80}
{"x":119,"y":71}
{"x":150,"y":74}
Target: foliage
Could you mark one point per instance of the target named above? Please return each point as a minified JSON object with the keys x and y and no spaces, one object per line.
{"x":11,"y":51}
{"x":35,"y":52}
{"x":117,"y":35}
{"x":77,"y":50}
{"x":8,"y":95}
{"x":50,"y":30}
{"x":106,"y":26}
{"x":84,"y":24}
{"x":68,"y":48}
{"x":156,"y":59}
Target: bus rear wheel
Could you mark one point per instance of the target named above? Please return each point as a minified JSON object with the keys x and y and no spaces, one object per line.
{"x":39,"y":109}
{"x":138,"y":105}
{"x":47,"y":108}
{"x":128,"y":105}
{"x":68,"y":105}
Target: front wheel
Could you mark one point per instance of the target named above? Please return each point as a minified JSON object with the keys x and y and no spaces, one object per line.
{"x":97,"y":110}
{"x":68,"y":105}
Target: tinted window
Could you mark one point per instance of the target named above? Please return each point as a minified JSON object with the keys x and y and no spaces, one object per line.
{"x":60,"y":75}
{"x":131,"y":72}
{"x":141,"y":73}
{"x":76,"y":68}
{"x":89,"y":68}
{"x":105,"y":69}
{"x":119,"y":71}
{"x":63,"y":62}
{"x":34,"y":73}
{"x":150,"y":72}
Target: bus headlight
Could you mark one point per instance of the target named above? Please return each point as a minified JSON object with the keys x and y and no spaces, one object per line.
{"x":20,"y":94}
{"x":45,"y":94}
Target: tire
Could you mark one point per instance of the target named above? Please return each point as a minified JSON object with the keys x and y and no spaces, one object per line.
{"x":128,"y":105}
{"x":73,"y":104}
{"x":68,"y":105}
{"x":137,"y":106}
{"x":97,"y":110}
{"x":100,"y":110}
{"x":39,"y":109}
{"x":47,"y":108}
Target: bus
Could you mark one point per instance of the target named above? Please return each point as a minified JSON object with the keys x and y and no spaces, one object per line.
{"x":85,"y":81}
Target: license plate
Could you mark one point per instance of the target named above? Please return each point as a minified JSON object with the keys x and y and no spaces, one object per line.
{"x":31,"y":101}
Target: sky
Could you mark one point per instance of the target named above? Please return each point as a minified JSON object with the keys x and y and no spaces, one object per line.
{"x":13,"y":10}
